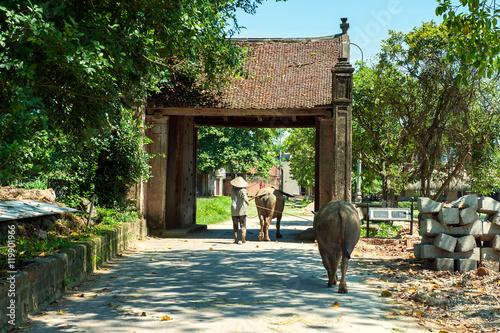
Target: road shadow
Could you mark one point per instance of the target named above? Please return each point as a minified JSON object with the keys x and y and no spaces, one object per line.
{"x":209,"y":288}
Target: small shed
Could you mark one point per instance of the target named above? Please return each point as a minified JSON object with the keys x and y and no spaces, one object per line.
{"x":291,"y":82}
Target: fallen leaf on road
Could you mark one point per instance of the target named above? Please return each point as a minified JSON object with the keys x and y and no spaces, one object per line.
{"x":143,"y":314}
{"x":154,"y":273}
{"x":91,"y":296}
{"x":80,"y":295}
{"x":106,"y":290}
{"x":111,"y":305}
{"x":166,"y":317}
{"x":336,"y":305}
{"x":62,"y":312}
{"x":385,"y":293}
{"x":113,"y":277}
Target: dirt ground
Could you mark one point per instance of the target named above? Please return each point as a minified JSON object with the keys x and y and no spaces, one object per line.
{"x":446,"y":301}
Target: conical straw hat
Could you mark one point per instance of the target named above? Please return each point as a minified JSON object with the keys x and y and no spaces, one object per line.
{"x":239,"y":182}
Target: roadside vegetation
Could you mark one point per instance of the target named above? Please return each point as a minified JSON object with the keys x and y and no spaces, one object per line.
{"x":66,"y":232}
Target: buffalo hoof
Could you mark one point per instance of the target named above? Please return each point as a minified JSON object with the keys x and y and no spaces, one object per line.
{"x":342,"y":289}
{"x":279,"y":236}
{"x":261,"y":236}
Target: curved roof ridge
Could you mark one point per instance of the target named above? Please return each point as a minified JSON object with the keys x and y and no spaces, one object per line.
{"x":286,"y":39}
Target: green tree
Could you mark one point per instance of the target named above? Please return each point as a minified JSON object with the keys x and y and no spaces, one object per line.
{"x":72,"y":67}
{"x":378,"y":137}
{"x":418,"y":123}
{"x":476,"y":34}
{"x":300,"y":143}
{"x":236,"y":149}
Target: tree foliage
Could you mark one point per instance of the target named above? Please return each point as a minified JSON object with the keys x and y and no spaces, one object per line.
{"x":71,"y":67}
{"x":300,"y":143}
{"x":473,"y":25}
{"x":378,"y":137}
{"x":236,"y":149}
{"x":417,"y":122}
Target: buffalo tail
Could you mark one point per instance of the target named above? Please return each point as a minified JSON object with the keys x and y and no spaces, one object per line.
{"x":345,"y":253}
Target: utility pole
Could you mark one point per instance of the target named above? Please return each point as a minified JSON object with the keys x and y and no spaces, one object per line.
{"x":359,"y":197}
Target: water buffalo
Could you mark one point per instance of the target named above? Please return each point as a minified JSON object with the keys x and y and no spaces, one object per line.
{"x":336,"y":227}
{"x":270,"y":203}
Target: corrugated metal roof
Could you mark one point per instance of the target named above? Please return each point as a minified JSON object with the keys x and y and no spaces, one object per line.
{"x":21,"y":209}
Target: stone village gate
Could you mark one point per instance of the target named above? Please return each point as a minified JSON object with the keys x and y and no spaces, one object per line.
{"x":304,"y":82}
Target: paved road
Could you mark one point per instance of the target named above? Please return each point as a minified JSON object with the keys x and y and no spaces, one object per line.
{"x":205,"y":283}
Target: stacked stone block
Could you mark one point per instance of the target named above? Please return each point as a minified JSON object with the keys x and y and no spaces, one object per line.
{"x":453,"y":236}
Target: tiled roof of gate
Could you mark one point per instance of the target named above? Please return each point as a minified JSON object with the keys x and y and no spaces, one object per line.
{"x":284,"y":73}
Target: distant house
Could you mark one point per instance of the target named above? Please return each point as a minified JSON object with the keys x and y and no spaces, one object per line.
{"x":255,"y":183}
{"x":455,"y":190}
{"x":211,"y":184}
{"x":290,"y":185}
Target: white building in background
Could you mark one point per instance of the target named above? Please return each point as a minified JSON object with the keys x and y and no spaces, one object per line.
{"x":211,"y":184}
{"x":290,"y":185}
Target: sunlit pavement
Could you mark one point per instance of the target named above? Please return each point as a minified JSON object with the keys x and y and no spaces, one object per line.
{"x":205,"y":283}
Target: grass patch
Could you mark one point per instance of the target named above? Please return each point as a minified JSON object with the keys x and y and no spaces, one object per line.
{"x":218,"y":209}
{"x":213,"y":210}
{"x":385,"y":230}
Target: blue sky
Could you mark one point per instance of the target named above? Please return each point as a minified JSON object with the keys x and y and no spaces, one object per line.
{"x":369,"y":20}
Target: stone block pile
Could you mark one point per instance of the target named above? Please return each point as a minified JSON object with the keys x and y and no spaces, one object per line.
{"x":454,"y":238}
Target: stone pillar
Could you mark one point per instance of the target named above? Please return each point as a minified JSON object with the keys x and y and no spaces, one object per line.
{"x":156,"y":186}
{"x":342,"y":115}
{"x":345,"y":44}
{"x":334,"y":134}
{"x":324,"y":161}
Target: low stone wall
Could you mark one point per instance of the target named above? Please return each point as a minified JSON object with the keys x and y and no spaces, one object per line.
{"x":44,"y":280}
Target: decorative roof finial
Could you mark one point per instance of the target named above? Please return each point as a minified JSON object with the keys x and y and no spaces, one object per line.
{"x":344,"y":26}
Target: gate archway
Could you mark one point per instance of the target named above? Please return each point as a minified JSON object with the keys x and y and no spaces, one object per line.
{"x":303,"y":82}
